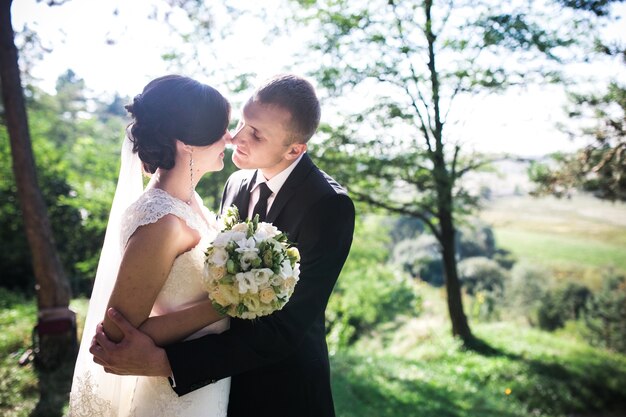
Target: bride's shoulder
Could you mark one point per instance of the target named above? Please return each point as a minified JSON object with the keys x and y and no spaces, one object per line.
{"x":152,"y":206}
{"x":152,"y":202}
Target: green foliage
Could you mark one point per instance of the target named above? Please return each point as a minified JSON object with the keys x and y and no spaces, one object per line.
{"x":403,"y":228}
{"x":77,"y":160}
{"x":566,"y":302}
{"x":526,"y":288}
{"x":482,"y":274}
{"x":65,"y":219}
{"x":599,"y":167}
{"x":368,"y":292}
{"x":606,"y":314}
{"x":476,"y":239}
{"x":211,"y":186}
{"x":597,"y":7}
{"x":484,"y":279}
{"x":421,"y":258}
{"x":504,"y":258}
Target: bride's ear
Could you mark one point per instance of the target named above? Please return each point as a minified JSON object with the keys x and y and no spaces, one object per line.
{"x":183,"y":148}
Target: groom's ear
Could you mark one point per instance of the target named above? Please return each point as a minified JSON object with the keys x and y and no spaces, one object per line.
{"x":295,"y":150}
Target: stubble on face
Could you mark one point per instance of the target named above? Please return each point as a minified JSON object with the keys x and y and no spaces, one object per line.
{"x":262,"y":140}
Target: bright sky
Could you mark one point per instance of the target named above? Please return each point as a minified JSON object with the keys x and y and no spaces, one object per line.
{"x":520,"y":123}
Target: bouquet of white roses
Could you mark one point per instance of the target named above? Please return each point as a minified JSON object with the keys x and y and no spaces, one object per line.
{"x":250,"y":269}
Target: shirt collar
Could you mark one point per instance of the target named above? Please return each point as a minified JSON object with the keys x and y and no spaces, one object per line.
{"x":277,"y":181}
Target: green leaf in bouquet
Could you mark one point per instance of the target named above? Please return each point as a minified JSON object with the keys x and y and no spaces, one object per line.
{"x":241,"y":308}
{"x":219,"y":308}
{"x":231,"y":267}
{"x":231,"y":218}
{"x":227,"y":279}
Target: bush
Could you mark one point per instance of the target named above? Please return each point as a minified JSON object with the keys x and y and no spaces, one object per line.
{"x":404,"y":228}
{"x":564,"y":303}
{"x":474,"y":240}
{"x":525,"y":289}
{"x":504,"y":258}
{"x":420,"y":258}
{"x":368,"y":292}
{"x":605,"y":316}
{"x":481,"y":274}
{"x":484,"y":279}
{"x":367,"y":298}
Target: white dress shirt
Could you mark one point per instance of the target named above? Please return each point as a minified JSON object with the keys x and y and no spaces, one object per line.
{"x":274,"y":184}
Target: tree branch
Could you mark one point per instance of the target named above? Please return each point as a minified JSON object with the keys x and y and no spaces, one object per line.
{"x":366,"y":198}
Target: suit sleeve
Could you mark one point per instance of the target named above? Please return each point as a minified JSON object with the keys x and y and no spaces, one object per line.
{"x":324,"y":241}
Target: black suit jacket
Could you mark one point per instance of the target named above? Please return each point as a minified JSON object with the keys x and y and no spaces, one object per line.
{"x":279,"y":363}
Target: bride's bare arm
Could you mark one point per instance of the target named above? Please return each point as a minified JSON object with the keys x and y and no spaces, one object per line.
{"x":176,"y":326}
{"x":145,"y":266}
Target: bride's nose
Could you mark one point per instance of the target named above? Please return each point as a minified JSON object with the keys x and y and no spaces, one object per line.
{"x":228,"y":138}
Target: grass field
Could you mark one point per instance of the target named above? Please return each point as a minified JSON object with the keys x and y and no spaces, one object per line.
{"x":411,"y":367}
{"x":581,"y":236}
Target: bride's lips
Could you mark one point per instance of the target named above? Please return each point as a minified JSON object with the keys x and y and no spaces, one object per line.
{"x":238,"y":150}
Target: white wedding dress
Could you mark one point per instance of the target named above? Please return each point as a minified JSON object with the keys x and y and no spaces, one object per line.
{"x":95,"y":393}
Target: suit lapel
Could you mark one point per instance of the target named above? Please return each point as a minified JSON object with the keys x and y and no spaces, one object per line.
{"x":242,"y":198}
{"x":289,"y":188}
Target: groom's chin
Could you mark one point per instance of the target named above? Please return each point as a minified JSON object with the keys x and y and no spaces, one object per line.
{"x":238,"y":163}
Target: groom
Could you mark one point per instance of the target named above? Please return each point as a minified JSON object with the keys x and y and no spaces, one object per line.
{"x":278,"y":363}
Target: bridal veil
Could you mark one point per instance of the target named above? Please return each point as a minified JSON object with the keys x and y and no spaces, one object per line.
{"x":94,"y":392}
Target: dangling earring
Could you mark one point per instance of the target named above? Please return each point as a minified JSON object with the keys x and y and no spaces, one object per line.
{"x":191,"y":187}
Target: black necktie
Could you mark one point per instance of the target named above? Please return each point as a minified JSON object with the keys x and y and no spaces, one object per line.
{"x":261,"y":206}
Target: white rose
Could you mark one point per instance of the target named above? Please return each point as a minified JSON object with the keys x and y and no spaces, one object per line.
{"x":252,"y":302}
{"x":217,"y":272}
{"x":219,"y":256}
{"x":225,"y":295}
{"x":222,"y":239}
{"x":240,"y":227}
{"x":267,"y":295}
{"x":265,"y":231}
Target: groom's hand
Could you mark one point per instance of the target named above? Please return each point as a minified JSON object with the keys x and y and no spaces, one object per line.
{"x":136,"y":354}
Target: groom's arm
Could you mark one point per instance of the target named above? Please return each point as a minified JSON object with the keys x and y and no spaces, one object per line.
{"x":324,"y":242}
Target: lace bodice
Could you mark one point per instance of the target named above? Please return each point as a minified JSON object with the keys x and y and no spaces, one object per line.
{"x":152,"y":396}
{"x":156,"y":203}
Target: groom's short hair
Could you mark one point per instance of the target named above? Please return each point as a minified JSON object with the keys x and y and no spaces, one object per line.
{"x":296,"y":95}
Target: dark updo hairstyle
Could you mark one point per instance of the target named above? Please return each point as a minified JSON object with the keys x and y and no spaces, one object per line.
{"x":170,"y":108}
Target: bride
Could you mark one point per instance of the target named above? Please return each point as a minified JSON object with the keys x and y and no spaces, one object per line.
{"x":152,"y":259}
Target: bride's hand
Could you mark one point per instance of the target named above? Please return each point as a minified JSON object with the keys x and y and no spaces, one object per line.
{"x":135,"y":354}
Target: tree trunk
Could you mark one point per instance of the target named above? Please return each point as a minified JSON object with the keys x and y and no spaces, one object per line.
{"x":444,"y":184}
{"x":56,"y":323}
{"x":460,"y":326}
